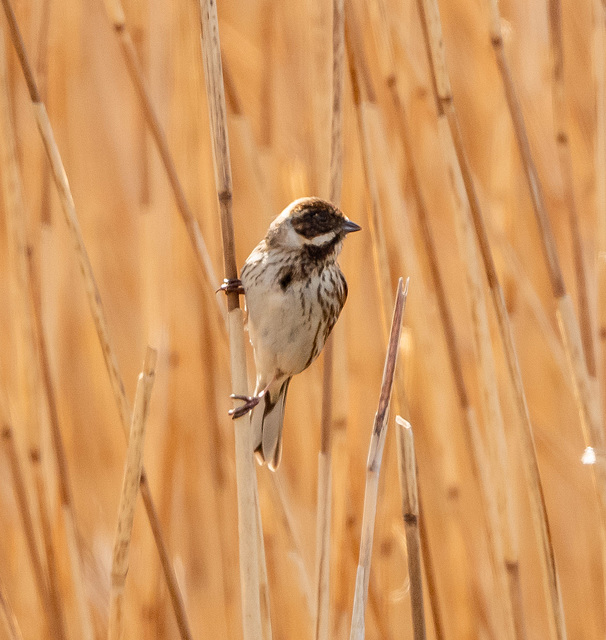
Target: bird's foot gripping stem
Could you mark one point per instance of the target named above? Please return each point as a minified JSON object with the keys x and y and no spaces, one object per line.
{"x":250,"y":402}
{"x":231,"y":286}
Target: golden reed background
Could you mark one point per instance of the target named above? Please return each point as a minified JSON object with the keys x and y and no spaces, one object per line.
{"x":278,"y":55}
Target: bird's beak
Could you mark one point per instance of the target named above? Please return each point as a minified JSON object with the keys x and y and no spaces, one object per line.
{"x":349,"y":226}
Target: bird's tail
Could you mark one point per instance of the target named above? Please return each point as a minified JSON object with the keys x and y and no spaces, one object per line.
{"x":266,"y":423}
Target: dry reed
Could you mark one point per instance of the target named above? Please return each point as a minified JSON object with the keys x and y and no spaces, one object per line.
{"x":324,"y":499}
{"x":373,"y":467}
{"x":249,"y":526}
{"x":407,"y":468}
{"x":128,"y":498}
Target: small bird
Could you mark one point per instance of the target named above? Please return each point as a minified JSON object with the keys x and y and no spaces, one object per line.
{"x":294,"y":292}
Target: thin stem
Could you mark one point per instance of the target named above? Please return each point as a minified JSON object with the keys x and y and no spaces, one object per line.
{"x":324,"y":501}
{"x":248,"y":526}
{"x":373,"y":467}
{"x":407,"y":468}
{"x":128,"y":498}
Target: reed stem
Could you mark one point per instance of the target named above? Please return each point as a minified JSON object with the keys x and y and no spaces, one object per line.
{"x":248,"y":526}
{"x":373,"y":467}
{"x":407,"y":467}
{"x":128,"y":498}
{"x":324,"y":499}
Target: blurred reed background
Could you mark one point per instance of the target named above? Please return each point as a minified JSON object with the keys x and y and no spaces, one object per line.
{"x":277,"y":60}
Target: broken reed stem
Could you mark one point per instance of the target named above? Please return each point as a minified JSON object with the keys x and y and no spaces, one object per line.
{"x":324,"y":497}
{"x":373,"y":467}
{"x":11,"y":626}
{"x":565,"y":159}
{"x":94,"y":299}
{"x":128,"y":497}
{"x":407,"y":467}
{"x":584,"y":391}
{"x":430,"y":20}
{"x":116,"y":15}
{"x":65,"y":492}
{"x":248,"y":528}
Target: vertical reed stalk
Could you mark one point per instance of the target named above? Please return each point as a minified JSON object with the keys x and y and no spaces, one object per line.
{"x":128,"y":498}
{"x":249,"y":529}
{"x":94,"y":299}
{"x":324,"y":502}
{"x":430,"y":571}
{"x":407,"y":467}
{"x":115,"y":13}
{"x":373,"y":468}
{"x":430,"y":20}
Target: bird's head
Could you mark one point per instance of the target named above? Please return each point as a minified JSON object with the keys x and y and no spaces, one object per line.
{"x":312,"y":225}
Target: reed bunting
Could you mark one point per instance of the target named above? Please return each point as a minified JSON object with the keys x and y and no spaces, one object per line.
{"x":294,"y":293}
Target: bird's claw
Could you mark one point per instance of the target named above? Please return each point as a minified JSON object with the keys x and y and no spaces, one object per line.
{"x":250,"y":402}
{"x":231,"y":286}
